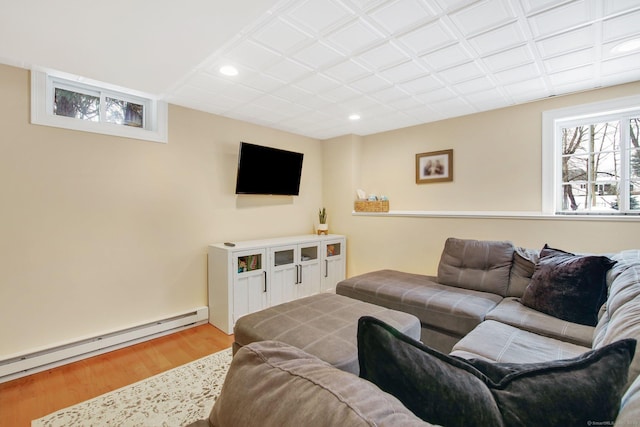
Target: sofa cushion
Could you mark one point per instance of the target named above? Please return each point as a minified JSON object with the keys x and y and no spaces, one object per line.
{"x":512,"y":312}
{"x":453,"y":392}
{"x":499,"y":342}
{"x":568,"y":286}
{"x":274,"y":384}
{"x":454,"y":310}
{"x":477,"y":265}
{"x":524,"y":264}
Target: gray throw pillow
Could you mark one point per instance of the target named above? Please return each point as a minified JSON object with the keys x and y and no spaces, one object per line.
{"x":568,"y":286}
{"x":451,"y":391}
{"x":524,"y":264}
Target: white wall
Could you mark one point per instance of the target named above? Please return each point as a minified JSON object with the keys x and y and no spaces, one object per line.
{"x":99,"y":233}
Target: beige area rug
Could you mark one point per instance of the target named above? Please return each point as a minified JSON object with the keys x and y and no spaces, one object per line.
{"x":173,"y":398}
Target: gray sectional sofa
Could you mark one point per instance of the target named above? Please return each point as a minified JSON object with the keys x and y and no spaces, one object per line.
{"x":473,"y":309}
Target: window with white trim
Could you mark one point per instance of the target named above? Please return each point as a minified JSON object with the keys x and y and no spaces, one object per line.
{"x":72,"y":102}
{"x":591,"y":159}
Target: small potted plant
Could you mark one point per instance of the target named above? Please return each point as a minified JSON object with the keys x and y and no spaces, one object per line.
{"x":323,"y":227}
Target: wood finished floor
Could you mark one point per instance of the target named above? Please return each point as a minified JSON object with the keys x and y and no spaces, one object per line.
{"x":37,"y":395}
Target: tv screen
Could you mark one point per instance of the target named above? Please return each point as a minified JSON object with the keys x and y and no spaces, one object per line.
{"x":267,"y":170}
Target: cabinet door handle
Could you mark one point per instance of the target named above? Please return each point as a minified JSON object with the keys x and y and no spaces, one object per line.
{"x":264,"y":289}
{"x":326,"y":268}
{"x":297,"y":274}
{"x":300,"y":273}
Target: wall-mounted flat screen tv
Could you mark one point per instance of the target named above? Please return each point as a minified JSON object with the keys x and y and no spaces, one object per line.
{"x":267,"y":170}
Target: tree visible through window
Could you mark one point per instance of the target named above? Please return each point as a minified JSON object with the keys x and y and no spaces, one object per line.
{"x":601,"y":166}
{"x":75,"y":104}
{"x":124,"y":113}
{"x":84,"y":106}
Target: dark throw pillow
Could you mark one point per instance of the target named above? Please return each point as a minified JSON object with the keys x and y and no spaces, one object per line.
{"x":436,"y":387}
{"x":451,"y":391}
{"x":585,"y":390}
{"x":568,"y":286}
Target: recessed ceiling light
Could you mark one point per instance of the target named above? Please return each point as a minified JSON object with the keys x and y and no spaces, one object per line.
{"x":627,"y":46}
{"x":354,"y":117}
{"x":229,"y":70}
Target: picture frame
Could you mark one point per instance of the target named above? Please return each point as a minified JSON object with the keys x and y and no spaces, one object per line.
{"x":435,"y":166}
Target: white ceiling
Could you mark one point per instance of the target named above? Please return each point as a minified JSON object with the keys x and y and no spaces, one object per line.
{"x":306,"y":65}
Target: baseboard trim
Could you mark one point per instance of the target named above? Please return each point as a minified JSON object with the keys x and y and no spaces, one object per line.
{"x":34,"y":362}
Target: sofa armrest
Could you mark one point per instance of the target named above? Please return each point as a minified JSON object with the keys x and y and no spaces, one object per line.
{"x":630,"y":406}
{"x":272,"y":383}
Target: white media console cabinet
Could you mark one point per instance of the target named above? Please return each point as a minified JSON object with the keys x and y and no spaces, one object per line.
{"x":248,"y":276}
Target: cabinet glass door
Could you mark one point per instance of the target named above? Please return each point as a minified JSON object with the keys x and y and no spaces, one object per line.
{"x":333,"y":249}
{"x":248,"y":263}
{"x":249,"y":284}
{"x":309,"y":275}
{"x":283,"y":257}
{"x":334,"y":266}
{"x":308,"y":253}
{"x":283,"y":274}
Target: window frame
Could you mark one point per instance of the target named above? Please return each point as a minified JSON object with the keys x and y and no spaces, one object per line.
{"x":552,"y":122}
{"x":44,"y":82}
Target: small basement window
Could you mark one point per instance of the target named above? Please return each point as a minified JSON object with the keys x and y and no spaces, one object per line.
{"x":71,"y":102}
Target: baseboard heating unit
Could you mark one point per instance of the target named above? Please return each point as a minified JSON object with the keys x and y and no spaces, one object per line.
{"x":31,"y":363}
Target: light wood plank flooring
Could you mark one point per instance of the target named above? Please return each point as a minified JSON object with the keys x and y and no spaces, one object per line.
{"x":36,"y":395}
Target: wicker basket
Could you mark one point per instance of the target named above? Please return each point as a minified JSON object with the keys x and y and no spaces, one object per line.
{"x":375,"y":206}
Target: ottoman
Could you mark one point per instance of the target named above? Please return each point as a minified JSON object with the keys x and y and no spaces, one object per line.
{"x":324,"y":325}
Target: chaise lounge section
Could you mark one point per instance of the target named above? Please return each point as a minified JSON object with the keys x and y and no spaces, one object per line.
{"x":478,"y":308}
{"x":473,"y":278}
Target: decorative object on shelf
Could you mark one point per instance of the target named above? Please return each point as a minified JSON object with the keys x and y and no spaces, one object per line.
{"x":371,"y":203}
{"x":323,"y":227}
{"x":436,"y":166}
{"x":371,"y":206}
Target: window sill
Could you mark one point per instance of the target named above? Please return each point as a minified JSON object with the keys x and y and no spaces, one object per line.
{"x":500,"y":215}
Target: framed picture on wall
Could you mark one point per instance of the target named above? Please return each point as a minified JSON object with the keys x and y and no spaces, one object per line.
{"x":436,"y":166}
